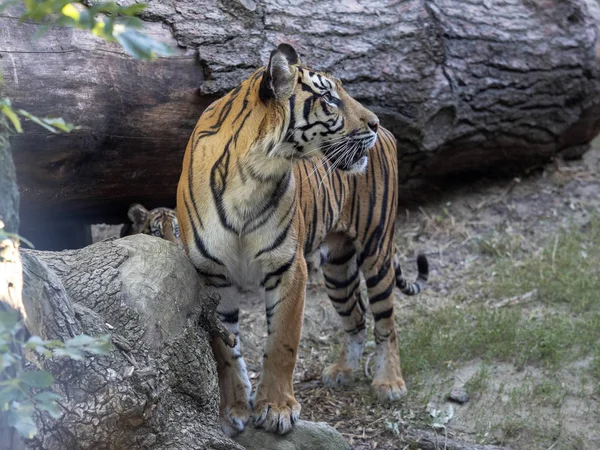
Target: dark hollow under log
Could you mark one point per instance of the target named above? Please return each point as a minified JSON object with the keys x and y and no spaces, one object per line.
{"x":466,"y":86}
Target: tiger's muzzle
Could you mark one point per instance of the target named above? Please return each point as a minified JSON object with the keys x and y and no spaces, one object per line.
{"x":354,"y":158}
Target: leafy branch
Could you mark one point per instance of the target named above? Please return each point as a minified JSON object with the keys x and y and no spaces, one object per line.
{"x":52,"y":124}
{"x":24,"y":392}
{"x":106,"y":20}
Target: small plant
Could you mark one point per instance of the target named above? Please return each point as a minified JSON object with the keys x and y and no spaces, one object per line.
{"x":479,"y":381}
{"x":22,"y":392}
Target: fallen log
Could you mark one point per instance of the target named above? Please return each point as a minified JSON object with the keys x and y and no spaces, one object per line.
{"x":467,"y":87}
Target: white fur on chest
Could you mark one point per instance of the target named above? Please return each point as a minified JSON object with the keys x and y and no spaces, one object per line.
{"x":241,"y":265}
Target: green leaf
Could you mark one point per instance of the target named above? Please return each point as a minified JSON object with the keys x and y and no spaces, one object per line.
{"x":21,"y":418}
{"x":40,"y":346}
{"x":59,"y":123}
{"x":51,"y":408}
{"x":79,"y":341}
{"x":141,"y":46}
{"x":86,"y":19}
{"x":8,"y":321}
{"x":8,"y":395}
{"x":15,"y":237}
{"x":134,"y":10}
{"x":37,"y":378}
{"x":7,"y":359}
{"x":12,"y":116}
{"x":37,"y":120}
{"x":46,"y":401}
{"x":73,"y":353}
{"x":46,"y":396}
{"x":101,"y":345}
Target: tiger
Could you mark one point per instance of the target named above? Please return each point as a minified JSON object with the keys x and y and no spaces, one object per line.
{"x":286,"y":165}
{"x":160,"y":222}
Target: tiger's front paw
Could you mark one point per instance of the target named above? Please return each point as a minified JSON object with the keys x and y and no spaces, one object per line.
{"x":389,"y":390}
{"x":276,"y":416}
{"x":235,"y":417}
{"x":337,"y":375}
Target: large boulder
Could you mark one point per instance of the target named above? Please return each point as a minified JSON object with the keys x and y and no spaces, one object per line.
{"x":158,"y":389}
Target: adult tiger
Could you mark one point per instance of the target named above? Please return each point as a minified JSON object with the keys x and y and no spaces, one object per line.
{"x":259,"y":191}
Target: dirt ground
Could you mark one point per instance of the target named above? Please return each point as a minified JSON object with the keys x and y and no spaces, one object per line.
{"x":469,"y":235}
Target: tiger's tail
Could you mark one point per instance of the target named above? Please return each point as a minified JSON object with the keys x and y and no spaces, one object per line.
{"x":419,"y":284}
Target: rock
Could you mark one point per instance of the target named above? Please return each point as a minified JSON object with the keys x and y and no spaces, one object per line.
{"x":305,"y":436}
{"x":158,"y":388}
{"x":459,"y":395}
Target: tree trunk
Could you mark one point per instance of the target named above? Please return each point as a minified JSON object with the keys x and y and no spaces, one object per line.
{"x":158,"y":389}
{"x":479,"y":86}
{"x":9,"y":193}
{"x":11,"y":278}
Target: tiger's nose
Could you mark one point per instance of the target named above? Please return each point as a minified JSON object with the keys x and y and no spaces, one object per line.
{"x":373,"y":125}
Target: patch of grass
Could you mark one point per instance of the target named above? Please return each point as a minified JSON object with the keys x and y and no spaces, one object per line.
{"x":563,"y":273}
{"x":595,"y":369}
{"x":566,"y":271}
{"x":501,"y":244}
{"x":548,"y":392}
{"x":479,"y":381}
{"x":449,"y":336}
{"x":544,"y":391}
{"x":513,"y":427}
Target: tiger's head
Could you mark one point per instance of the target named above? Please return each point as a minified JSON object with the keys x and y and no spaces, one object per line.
{"x":319,"y":116}
{"x":159,"y":222}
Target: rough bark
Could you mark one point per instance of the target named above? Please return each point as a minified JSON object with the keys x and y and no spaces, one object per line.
{"x":466,"y":86}
{"x":9,"y":193}
{"x":158,"y":388}
{"x":11,"y":285}
{"x":11,"y":278}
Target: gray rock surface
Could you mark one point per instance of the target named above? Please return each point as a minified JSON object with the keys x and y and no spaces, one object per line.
{"x":158,"y":388}
{"x":304,"y":436}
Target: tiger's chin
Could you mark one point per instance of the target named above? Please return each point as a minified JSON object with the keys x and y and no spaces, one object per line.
{"x":358,"y":167}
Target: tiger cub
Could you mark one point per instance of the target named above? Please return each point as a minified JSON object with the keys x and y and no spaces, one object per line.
{"x":284,"y":164}
{"x":159,"y":222}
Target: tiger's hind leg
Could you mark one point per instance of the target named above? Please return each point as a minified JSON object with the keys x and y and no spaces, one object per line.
{"x":380,"y":278}
{"x":342,"y":281}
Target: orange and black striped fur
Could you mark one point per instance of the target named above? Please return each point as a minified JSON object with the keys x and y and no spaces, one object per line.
{"x":282,"y":166}
{"x":159,"y":222}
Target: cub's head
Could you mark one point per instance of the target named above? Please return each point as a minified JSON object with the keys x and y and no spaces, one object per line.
{"x":320,"y":118}
{"x":159,"y":222}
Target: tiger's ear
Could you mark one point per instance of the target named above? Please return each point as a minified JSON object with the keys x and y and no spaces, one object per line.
{"x":280,"y":75}
{"x":137,"y":214}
